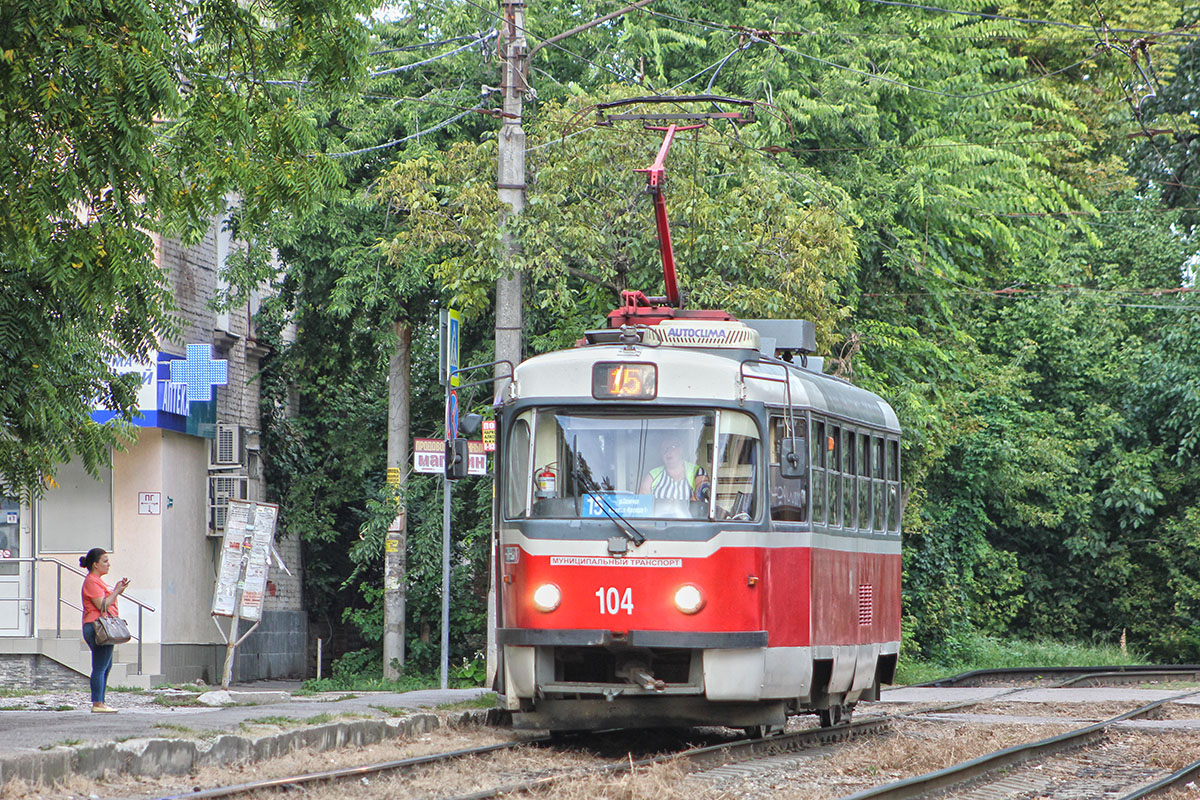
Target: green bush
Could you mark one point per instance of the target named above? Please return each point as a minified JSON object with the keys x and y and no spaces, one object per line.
{"x":975,"y":651}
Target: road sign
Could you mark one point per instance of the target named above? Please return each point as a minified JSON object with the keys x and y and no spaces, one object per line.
{"x":449,"y":324}
{"x":429,"y":456}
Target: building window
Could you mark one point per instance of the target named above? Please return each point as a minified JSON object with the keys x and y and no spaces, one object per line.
{"x":77,"y":515}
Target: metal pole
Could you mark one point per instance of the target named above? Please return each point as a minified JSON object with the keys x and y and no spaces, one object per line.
{"x":227,"y":672}
{"x":446,"y":492}
{"x":139,"y":672}
{"x":58,"y":605}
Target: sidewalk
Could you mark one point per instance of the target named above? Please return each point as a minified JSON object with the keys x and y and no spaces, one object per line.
{"x":59,"y":736}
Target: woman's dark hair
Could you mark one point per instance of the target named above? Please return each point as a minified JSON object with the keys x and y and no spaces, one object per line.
{"x":92,"y":557}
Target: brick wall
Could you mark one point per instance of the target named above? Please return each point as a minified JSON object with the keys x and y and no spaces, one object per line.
{"x":277,"y":647}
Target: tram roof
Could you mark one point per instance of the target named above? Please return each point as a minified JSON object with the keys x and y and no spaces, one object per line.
{"x":698,"y":374}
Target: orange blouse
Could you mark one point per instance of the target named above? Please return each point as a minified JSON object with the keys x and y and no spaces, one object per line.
{"x":94,"y":590}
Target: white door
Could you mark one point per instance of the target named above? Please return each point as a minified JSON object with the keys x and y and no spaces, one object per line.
{"x":14,"y":577}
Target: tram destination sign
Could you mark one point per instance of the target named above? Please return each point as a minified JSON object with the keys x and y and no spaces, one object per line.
{"x":429,"y":455}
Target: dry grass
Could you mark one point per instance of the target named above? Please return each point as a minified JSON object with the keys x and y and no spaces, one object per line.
{"x":294,"y":763}
{"x":1084,"y":711}
{"x":461,"y":777}
{"x":914,"y":747}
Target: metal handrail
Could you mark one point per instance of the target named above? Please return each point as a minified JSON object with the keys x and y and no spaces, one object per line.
{"x":61,"y":600}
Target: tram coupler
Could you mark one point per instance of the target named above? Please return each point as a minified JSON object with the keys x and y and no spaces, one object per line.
{"x":640,"y":674}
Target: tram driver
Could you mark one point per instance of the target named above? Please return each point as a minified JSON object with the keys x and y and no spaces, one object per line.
{"x":677,"y":478}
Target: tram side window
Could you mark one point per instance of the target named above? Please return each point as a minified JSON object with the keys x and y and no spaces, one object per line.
{"x":818,"y":472}
{"x":516,"y":492}
{"x":834,"y":446}
{"x":893,"y":486}
{"x":864,"y":482}
{"x":849,"y":481}
{"x":736,"y":484}
{"x":879,"y":488}
{"x":789,"y":496}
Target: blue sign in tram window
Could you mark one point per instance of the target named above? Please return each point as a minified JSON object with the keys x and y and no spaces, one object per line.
{"x":617,"y":504}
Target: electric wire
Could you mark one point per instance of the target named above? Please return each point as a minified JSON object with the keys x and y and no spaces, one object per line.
{"x":423,"y":45}
{"x":426,"y":132}
{"x":1178,"y":32}
{"x":404,"y":68}
{"x":711,"y":26}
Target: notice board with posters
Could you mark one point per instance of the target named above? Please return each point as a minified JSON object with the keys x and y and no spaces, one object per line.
{"x":245,"y":557}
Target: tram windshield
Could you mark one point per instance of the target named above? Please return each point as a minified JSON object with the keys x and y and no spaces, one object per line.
{"x":693,"y":464}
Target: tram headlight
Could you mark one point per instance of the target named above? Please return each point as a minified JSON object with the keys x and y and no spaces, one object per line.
{"x":547,"y":597}
{"x":689,"y":599}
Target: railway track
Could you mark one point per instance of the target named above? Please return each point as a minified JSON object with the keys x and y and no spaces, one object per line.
{"x":709,"y":757}
{"x":1030,"y":770}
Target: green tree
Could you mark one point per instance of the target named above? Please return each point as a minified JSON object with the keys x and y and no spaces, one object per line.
{"x":325,"y":387}
{"x":119,"y":118}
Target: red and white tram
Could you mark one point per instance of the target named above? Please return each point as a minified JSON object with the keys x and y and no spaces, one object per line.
{"x":694,"y":526}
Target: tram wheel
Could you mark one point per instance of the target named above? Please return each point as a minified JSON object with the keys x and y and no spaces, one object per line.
{"x":755,"y":731}
{"x":762,"y":731}
{"x":830,"y":716}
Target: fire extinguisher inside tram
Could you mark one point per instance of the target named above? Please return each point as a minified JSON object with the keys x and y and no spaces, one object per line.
{"x":545,"y":482}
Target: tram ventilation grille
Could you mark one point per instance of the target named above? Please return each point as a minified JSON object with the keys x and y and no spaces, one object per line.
{"x":866,"y":603}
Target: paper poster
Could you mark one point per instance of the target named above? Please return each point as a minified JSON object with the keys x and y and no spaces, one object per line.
{"x":245,"y":558}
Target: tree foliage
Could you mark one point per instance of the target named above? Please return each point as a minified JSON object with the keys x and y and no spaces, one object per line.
{"x":956,"y":199}
{"x":119,"y":118}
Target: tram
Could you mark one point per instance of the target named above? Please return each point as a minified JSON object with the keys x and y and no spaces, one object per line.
{"x":693,"y":524}
{"x":769,"y":584}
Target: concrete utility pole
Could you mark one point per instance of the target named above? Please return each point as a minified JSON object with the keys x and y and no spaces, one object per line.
{"x":510,"y":180}
{"x":515,"y":56}
{"x":397,"y":464}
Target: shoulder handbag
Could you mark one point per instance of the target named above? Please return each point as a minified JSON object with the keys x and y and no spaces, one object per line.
{"x":112,"y":629}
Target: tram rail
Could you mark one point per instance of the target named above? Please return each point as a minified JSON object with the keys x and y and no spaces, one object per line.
{"x":981,"y":768}
{"x":696,"y":759}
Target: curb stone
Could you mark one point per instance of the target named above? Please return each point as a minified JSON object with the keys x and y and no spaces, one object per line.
{"x":181,"y":756}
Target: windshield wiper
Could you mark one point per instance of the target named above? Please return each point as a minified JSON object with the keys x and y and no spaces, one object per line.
{"x":625,"y":526}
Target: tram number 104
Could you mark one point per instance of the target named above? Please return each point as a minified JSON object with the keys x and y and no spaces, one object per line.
{"x":614,"y":601}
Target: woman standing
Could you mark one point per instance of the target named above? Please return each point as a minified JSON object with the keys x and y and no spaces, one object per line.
{"x":99,"y":600}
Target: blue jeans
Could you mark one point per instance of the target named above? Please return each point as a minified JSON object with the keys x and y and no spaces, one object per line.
{"x":102,"y":658}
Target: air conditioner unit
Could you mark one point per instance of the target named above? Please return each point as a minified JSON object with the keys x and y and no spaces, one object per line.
{"x":222,"y":489}
{"x":227,"y":447}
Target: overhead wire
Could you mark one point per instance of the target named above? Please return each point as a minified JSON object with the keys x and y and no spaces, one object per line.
{"x":426,"y":132}
{"x":422,"y":45}
{"x":405,"y":67}
{"x":718,"y":65}
{"x":917,"y":266}
{"x":869,"y":75}
{"x":1029,"y":21}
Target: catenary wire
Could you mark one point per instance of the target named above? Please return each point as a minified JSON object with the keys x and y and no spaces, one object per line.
{"x":869,"y":75}
{"x":1029,"y":21}
{"x":489,"y":35}
{"x":425,"y":132}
